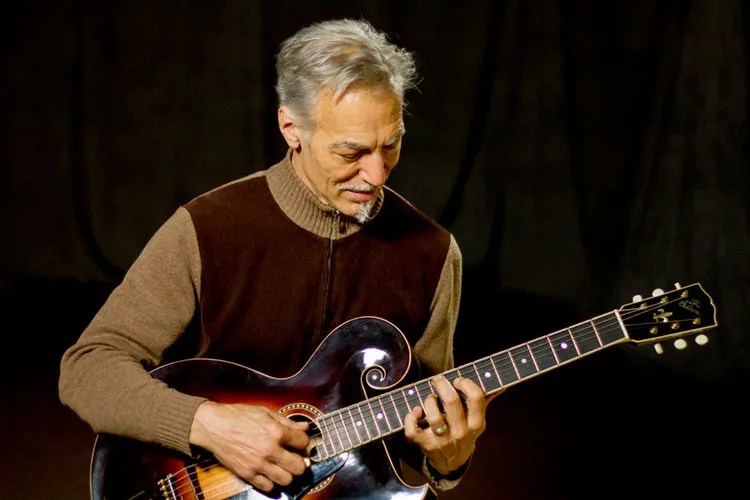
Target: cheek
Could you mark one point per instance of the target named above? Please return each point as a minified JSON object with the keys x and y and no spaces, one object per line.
{"x":341,"y":173}
{"x":390,"y":162}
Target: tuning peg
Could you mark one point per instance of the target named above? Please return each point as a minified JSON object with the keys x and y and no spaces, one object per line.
{"x":680,"y":344}
{"x":701,"y":339}
{"x":657,"y":292}
{"x":658,"y":348}
{"x":637,"y":298}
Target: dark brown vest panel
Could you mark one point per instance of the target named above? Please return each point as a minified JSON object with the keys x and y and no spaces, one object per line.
{"x":271,"y":290}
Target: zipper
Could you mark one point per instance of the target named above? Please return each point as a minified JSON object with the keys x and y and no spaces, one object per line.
{"x":329,"y":271}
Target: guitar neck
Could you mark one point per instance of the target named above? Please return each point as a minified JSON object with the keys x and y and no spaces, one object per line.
{"x":381,"y":416}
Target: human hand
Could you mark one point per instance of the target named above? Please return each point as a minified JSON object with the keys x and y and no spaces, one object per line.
{"x":451,"y":437}
{"x":252,"y":441}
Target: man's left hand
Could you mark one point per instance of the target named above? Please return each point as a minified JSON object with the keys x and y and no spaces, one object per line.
{"x":451,"y":437}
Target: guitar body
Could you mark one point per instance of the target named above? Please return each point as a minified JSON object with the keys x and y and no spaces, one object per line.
{"x":358,"y":359}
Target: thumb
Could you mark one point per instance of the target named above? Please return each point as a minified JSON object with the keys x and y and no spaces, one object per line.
{"x":292,"y":424}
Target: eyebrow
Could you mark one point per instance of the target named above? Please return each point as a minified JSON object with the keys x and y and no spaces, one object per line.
{"x":347,"y":144}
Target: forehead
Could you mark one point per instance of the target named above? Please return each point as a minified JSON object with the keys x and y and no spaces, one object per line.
{"x":360,"y":114}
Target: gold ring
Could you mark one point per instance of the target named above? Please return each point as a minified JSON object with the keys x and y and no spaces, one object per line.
{"x":440,"y":430}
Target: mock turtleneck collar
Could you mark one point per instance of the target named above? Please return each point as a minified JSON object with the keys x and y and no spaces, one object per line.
{"x":305,"y":209}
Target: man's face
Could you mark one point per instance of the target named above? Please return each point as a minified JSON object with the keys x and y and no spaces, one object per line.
{"x":355,"y":145}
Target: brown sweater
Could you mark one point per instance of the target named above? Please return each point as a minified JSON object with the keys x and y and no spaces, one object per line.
{"x":266,"y":271}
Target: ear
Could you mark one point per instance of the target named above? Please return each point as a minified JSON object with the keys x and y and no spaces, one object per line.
{"x":289,"y":129}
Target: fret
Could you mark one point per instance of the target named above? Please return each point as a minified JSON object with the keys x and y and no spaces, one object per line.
{"x":395,"y":409}
{"x":504,"y":367}
{"x":513,"y":364}
{"x":488,"y":374}
{"x":609,"y":328}
{"x":479,"y":377}
{"x":543,"y":354}
{"x":370,"y":424}
{"x":345,"y":427}
{"x":523,"y":362}
{"x":596,"y":332}
{"x":380,"y":421}
{"x":563,"y":346}
{"x":329,"y":446}
{"x":332,"y":423}
{"x":424,"y":390}
{"x":364,"y":422}
{"x":452,"y":375}
{"x":585,"y":338}
{"x":391,"y":413}
{"x":356,"y":423}
{"x":400,"y":402}
{"x":411,"y":397}
{"x":468,"y":371}
{"x":552,"y":350}
{"x":575,"y":344}
{"x":385,"y":414}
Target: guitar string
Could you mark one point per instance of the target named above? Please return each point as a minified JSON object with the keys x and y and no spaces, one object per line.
{"x":608,"y":325}
{"x":580,"y":333}
{"x":185,"y":484}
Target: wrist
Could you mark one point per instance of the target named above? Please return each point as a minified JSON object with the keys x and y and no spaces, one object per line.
{"x":198,"y":428}
{"x":452,"y":475}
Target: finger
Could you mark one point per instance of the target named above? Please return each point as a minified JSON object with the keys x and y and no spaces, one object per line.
{"x":291,"y":462}
{"x":295,"y":439}
{"x":293,"y":433}
{"x":300,"y":425}
{"x":452,"y":405}
{"x":476,"y":403}
{"x":432,"y":412}
{"x":411,"y":426}
{"x":261,"y":483}
{"x":277,"y":474}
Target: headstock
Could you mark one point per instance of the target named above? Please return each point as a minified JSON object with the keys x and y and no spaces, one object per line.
{"x":675,"y":314}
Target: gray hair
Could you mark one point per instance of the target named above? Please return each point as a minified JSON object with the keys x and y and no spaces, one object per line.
{"x":338,"y":55}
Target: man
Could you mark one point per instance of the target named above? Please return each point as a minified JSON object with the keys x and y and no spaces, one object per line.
{"x":269,"y":264}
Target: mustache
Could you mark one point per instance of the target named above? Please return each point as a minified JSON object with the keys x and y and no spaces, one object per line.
{"x":365,"y":188}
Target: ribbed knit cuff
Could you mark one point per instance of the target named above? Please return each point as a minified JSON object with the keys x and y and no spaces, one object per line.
{"x":177,"y":412}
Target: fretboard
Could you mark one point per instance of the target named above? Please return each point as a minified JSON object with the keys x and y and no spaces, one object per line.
{"x":378,"y":417}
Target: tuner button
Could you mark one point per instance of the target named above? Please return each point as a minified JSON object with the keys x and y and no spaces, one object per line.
{"x":637,"y":298}
{"x":677,"y":285}
{"x":701,"y":339}
{"x":680,"y":344}
{"x":657,"y":292}
{"x":658,"y":348}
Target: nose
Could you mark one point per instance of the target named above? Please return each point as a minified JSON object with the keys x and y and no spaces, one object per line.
{"x":374,"y":170}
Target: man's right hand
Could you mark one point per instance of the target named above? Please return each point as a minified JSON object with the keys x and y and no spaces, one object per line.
{"x":252,"y":441}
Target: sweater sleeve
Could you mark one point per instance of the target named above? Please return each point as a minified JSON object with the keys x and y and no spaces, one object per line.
{"x":435,"y":351}
{"x":102,"y":376}
{"x":435,"y":348}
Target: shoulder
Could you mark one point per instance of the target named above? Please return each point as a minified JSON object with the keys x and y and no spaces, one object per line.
{"x":400,"y":211}
{"x":229,"y":193}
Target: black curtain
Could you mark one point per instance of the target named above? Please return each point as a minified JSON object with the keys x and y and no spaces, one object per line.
{"x":582,"y":152}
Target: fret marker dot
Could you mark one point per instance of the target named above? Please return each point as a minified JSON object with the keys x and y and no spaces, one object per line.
{"x":523,"y":361}
{"x":564,"y":345}
{"x":486,"y":374}
{"x":359,"y":423}
{"x":411,"y":391}
{"x":379,"y":416}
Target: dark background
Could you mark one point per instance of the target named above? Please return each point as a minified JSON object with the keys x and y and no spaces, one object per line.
{"x":580,"y":151}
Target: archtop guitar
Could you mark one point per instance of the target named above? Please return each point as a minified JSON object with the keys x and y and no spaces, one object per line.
{"x":355,"y":392}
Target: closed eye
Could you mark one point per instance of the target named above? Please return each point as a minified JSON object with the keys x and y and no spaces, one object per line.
{"x":351,"y":156}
